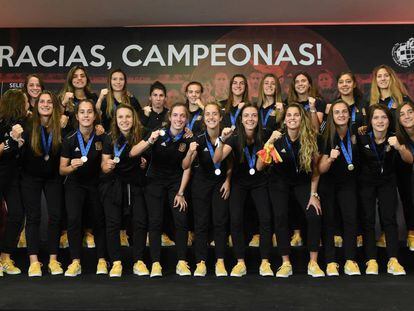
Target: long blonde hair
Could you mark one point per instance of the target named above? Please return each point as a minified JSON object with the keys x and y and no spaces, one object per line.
{"x":307,"y":138}
{"x":110,"y":96}
{"x":54,"y":124}
{"x":397,"y":88}
{"x":277,"y":97}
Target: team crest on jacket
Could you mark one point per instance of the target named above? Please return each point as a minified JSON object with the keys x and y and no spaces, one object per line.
{"x":182,"y":147}
{"x":98,"y":145}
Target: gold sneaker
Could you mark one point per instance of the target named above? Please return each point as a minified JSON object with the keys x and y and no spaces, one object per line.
{"x":220,"y":269}
{"x":372,"y":267}
{"x":190,"y":239}
{"x":9,"y":267}
{"x":102,"y":267}
{"x":255,"y":241}
{"x":274,"y":240}
{"x":285,"y":270}
{"x":338,"y":241}
{"x":88,"y":239}
{"x":35,"y":269}
{"x":381,"y":242}
{"x":182,"y":268}
{"x":156,"y":270}
{"x":74,"y":269}
{"x":116,"y":270}
{"x":140,"y":268}
{"x":64,"y":242}
{"x":314,"y":270}
{"x":360,"y":241}
{"x":22,"y":239}
{"x":239,"y":270}
{"x":124,"y":238}
{"x":266,"y":269}
{"x":296,"y":240}
{"x":332,"y":269}
{"x":55,"y":267}
{"x":351,"y":268}
{"x":201,"y":269}
{"x":410,"y":242}
{"x":166,"y":241}
{"x":394,"y":267}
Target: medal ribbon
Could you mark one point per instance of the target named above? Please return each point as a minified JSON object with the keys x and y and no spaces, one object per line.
{"x":348,"y":150}
{"x":46,"y":145}
{"x":85,"y":150}
{"x":211,"y":151}
{"x":292,"y":153}
{"x":251,"y":159}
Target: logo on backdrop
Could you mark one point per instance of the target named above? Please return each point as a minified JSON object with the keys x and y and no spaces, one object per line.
{"x":403,"y":53}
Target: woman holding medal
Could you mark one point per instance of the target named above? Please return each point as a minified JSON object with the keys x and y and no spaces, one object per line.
{"x":40,"y":160}
{"x":302,"y":91}
{"x":238,"y":97}
{"x":13,"y":112}
{"x":295,"y":172}
{"x":351,"y":95}
{"x":338,"y":187}
{"x":122,"y":188}
{"x":210,"y":190}
{"x":246,"y":180}
{"x":165,"y":174}
{"x":115,"y":94}
{"x":377,"y":182}
{"x":80,"y":162}
{"x":193,"y":93}
{"x":388,"y":90}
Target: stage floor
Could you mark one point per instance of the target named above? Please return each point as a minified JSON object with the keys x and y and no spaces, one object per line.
{"x":171,"y":292}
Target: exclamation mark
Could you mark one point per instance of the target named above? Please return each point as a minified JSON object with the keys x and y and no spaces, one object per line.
{"x":319,"y":53}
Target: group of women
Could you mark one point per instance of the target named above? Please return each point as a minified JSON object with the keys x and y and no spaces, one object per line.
{"x":326,"y":163}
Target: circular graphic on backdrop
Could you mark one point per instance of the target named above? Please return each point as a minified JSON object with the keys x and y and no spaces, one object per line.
{"x":281,"y":51}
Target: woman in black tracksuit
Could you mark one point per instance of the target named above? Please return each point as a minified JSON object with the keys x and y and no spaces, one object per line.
{"x":246,"y":180}
{"x":210,"y":190}
{"x":377,"y":182}
{"x":238,"y":97}
{"x":13,"y":108}
{"x":41,"y":156}
{"x":302,"y":91}
{"x":166,"y":177}
{"x":115,"y":94}
{"x":388,"y":90}
{"x":122,"y":188}
{"x":295,"y":175}
{"x":80,"y":162}
{"x":193,"y":92}
{"x":338,"y":167}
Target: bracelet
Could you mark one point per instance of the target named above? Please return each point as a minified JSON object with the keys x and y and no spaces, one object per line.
{"x":149,"y":142}
{"x":180,"y":194}
{"x":313,"y":110}
{"x":315,"y":194}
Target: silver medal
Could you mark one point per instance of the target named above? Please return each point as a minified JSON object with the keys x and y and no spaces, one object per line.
{"x":252,"y":171}
{"x":162,"y":133}
{"x":233,"y":127}
{"x":46,"y":157}
{"x":117,"y":159}
{"x":351,"y":167}
{"x":217,"y":171}
{"x":84,"y":159}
